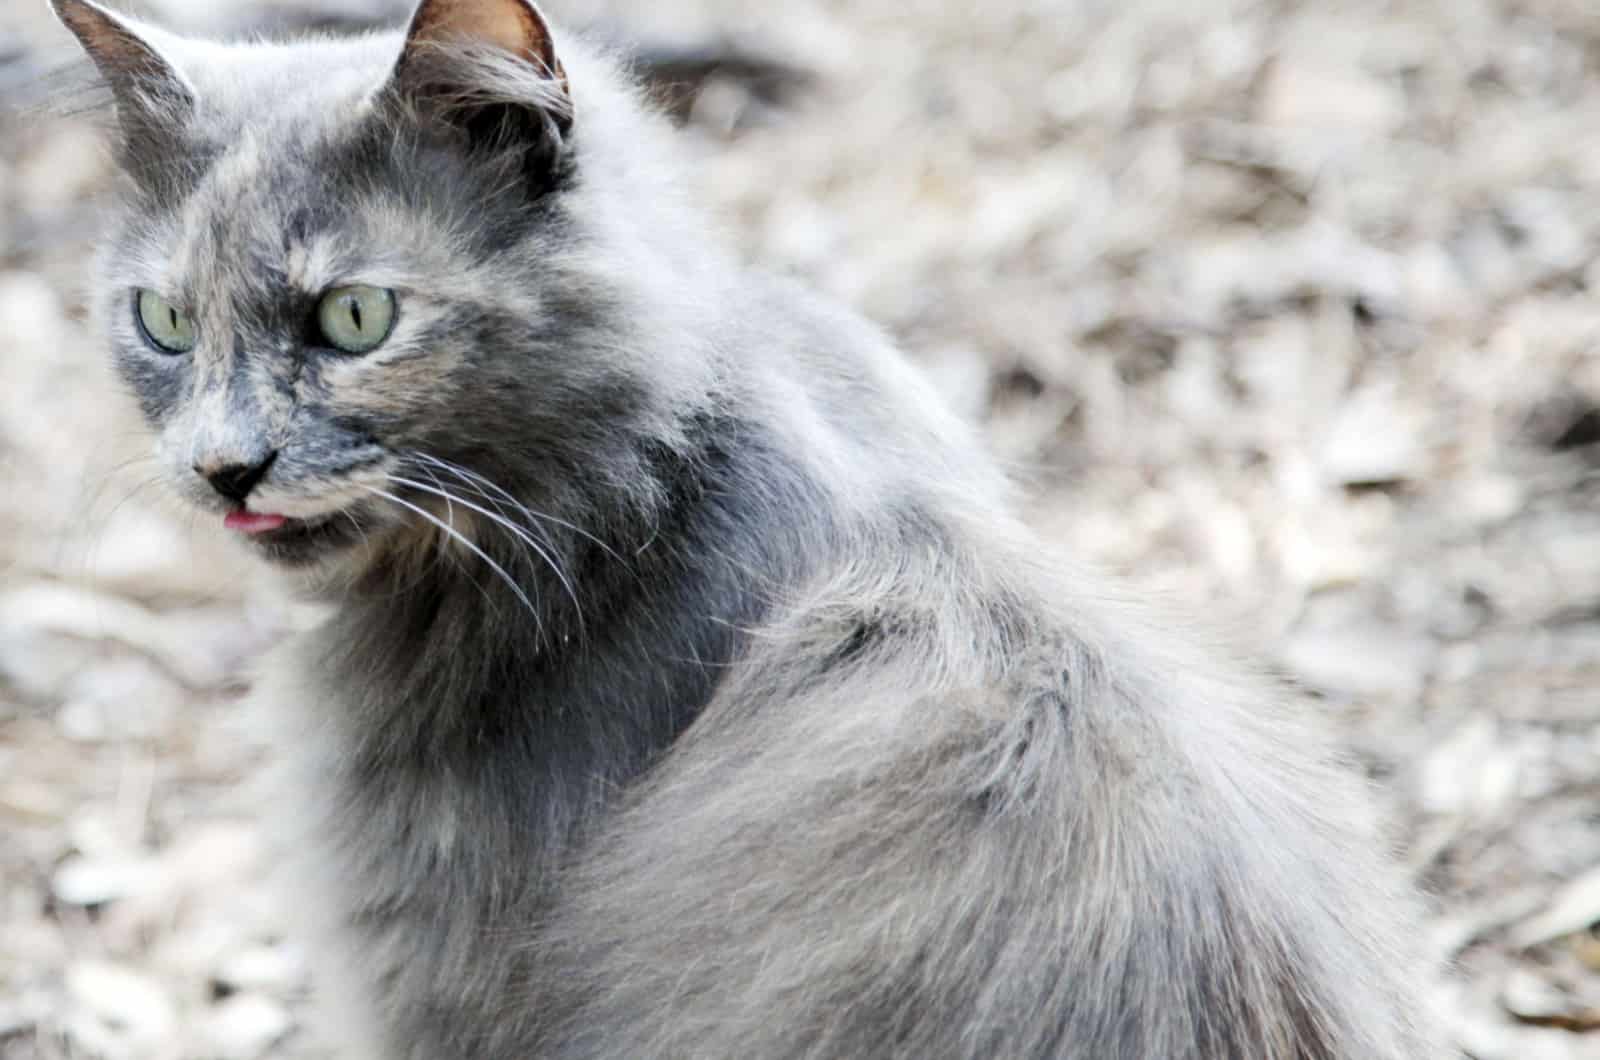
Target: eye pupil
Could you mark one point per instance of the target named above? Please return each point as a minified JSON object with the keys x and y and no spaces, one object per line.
{"x":355,"y":313}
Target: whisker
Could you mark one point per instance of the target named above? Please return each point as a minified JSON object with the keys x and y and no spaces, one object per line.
{"x":457,"y":535}
{"x":520,"y":533}
{"x":366,"y":542}
{"x":450,"y":498}
{"x":481,"y":482}
{"x":95,"y":529}
{"x":95,"y":487}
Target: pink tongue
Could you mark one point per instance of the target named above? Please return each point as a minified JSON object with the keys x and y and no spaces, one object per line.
{"x":253,"y":522}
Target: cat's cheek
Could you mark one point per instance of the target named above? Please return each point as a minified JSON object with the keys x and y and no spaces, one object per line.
{"x":395,"y":392}
{"x":158,"y":383}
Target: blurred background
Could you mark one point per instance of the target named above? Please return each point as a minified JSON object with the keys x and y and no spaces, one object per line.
{"x":1286,"y":310}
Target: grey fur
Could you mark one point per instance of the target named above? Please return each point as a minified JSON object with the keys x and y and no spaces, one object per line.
{"x":723,"y":708}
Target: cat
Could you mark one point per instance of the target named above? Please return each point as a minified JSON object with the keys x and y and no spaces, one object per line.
{"x":691,"y":687}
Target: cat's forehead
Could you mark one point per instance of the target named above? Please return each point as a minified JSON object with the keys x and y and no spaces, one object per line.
{"x":276,"y":127}
{"x":267,"y":85}
{"x":299,"y":178}
{"x":264,"y":113}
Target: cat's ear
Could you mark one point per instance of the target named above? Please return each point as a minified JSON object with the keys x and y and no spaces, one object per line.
{"x":488,"y":67}
{"x":153,"y":100}
{"x":146,"y":85}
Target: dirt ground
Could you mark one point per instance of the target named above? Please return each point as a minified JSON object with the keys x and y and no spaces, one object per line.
{"x":1286,"y":310}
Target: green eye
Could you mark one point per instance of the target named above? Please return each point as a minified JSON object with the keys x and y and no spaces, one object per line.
{"x":164,"y":325}
{"x":356,"y":319}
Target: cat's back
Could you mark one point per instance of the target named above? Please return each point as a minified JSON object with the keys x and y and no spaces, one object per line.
{"x":941,"y":811}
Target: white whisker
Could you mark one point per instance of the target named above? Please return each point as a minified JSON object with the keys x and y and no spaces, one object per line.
{"x":518,"y":532}
{"x":480,"y":483}
{"x":356,"y":523}
{"x":457,"y":535}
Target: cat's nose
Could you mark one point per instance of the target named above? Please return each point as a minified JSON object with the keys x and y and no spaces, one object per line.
{"x":235,"y":480}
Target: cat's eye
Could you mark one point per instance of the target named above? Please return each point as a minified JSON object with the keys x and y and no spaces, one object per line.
{"x":164,"y":325}
{"x":356,"y":319}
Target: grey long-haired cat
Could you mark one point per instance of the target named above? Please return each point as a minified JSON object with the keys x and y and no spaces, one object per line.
{"x":692,"y":689}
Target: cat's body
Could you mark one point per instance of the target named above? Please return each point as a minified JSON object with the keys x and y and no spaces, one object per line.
{"x":768,"y":732}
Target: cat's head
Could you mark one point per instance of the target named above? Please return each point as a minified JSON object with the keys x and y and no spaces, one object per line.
{"x":348,"y":275}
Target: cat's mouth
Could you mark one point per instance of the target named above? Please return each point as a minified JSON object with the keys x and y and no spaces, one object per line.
{"x":252,"y":523}
{"x":294,"y":541}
